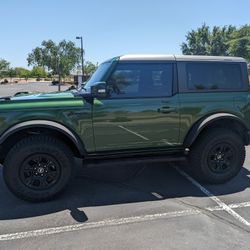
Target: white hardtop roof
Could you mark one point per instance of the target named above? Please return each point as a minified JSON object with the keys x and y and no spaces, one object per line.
{"x":149,"y":57}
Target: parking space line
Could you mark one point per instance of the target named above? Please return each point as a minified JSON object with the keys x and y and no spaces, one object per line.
{"x":114,"y":222}
{"x":233,"y":205}
{"x":158,"y":196}
{"x":221,"y":204}
{"x":134,"y":133}
{"x":103,"y":223}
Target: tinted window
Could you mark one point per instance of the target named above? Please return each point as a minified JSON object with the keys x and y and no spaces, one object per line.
{"x":212,"y":76}
{"x":141,"y":80}
{"x":98,"y":74}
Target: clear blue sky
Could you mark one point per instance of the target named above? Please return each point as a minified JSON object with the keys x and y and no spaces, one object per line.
{"x":110,"y":27}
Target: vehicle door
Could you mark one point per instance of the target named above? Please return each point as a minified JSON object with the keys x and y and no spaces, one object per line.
{"x":141,"y":109}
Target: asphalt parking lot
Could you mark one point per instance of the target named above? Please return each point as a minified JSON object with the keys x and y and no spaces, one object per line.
{"x":142,"y":206}
{"x":132,"y":207}
{"x":11,"y":89}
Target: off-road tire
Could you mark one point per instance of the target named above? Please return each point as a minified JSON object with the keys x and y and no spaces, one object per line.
{"x":21,"y":161}
{"x":205,"y":157}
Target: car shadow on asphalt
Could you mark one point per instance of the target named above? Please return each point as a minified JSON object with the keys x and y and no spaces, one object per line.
{"x":114,"y":184}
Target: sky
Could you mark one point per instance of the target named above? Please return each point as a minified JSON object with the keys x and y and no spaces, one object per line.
{"x":110,"y":27}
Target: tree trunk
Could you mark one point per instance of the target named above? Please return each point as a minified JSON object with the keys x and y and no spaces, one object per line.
{"x":59,"y":84}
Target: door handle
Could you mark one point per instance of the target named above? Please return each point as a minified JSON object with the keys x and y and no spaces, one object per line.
{"x":166,"y":110}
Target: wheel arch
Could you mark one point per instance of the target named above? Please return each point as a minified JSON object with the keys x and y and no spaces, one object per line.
{"x":34,"y":127}
{"x":224,"y":120}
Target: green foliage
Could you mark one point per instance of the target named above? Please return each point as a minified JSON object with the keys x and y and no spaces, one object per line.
{"x":22,"y":72}
{"x":89,"y":68}
{"x":4,"y":66}
{"x":59,"y":59}
{"x":240,"y":43}
{"x":218,"y":41}
{"x":11,"y":72}
{"x":38,"y":72}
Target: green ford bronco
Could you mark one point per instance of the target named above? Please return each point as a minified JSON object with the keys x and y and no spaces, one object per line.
{"x":146,"y":107}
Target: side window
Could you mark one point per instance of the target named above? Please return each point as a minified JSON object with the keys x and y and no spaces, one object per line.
{"x":140,"y":80}
{"x":213,"y":76}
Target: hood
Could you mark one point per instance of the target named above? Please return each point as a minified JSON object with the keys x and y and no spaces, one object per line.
{"x":40,"y":101}
{"x":38,"y":96}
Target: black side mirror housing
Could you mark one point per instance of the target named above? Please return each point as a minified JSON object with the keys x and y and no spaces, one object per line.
{"x":99,"y":89}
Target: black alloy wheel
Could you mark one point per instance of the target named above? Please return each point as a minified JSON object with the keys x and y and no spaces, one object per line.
{"x":40,"y":171}
{"x":221,"y":158}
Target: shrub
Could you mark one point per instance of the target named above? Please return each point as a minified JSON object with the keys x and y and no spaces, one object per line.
{"x":4,"y":81}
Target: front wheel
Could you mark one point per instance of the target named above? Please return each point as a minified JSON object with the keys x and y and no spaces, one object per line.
{"x":217,"y":156}
{"x":38,"y":168}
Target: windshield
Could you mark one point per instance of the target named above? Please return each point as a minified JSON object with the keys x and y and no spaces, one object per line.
{"x":98,"y":75}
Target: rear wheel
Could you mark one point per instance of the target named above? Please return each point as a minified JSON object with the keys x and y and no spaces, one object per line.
{"x":217,"y":156}
{"x":38,"y":168}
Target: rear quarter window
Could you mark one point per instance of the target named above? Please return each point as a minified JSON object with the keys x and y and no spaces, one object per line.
{"x":213,"y":76}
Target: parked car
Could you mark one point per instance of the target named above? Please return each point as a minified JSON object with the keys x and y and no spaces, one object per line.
{"x":148,"y":107}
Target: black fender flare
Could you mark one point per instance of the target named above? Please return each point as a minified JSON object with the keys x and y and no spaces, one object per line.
{"x":202,"y":123}
{"x":45,"y":124}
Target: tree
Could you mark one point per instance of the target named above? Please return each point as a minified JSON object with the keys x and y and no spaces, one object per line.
{"x":59,"y":59}
{"x":22,"y":73}
{"x":239,"y":45}
{"x":197,"y":42}
{"x":203,"y":41}
{"x":4,"y":66}
{"x":38,"y":72}
{"x":218,"y":41}
{"x":89,"y":68}
{"x":11,"y":73}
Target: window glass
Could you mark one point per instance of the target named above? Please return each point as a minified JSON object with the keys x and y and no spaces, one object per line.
{"x":213,"y":76}
{"x":140,"y":80}
{"x":98,"y":74}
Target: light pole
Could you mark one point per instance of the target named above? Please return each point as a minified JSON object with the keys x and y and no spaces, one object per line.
{"x":82,"y":54}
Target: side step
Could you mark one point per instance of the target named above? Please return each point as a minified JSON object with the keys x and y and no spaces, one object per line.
{"x":135,"y":160}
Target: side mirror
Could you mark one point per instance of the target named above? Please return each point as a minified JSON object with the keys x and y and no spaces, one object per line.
{"x":99,"y":90}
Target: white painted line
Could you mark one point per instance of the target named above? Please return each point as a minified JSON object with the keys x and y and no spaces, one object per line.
{"x":134,"y":133}
{"x":234,"y":205}
{"x":157,"y":195}
{"x":103,"y":223}
{"x":240,"y":205}
{"x":214,"y":198}
{"x":114,"y":222}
